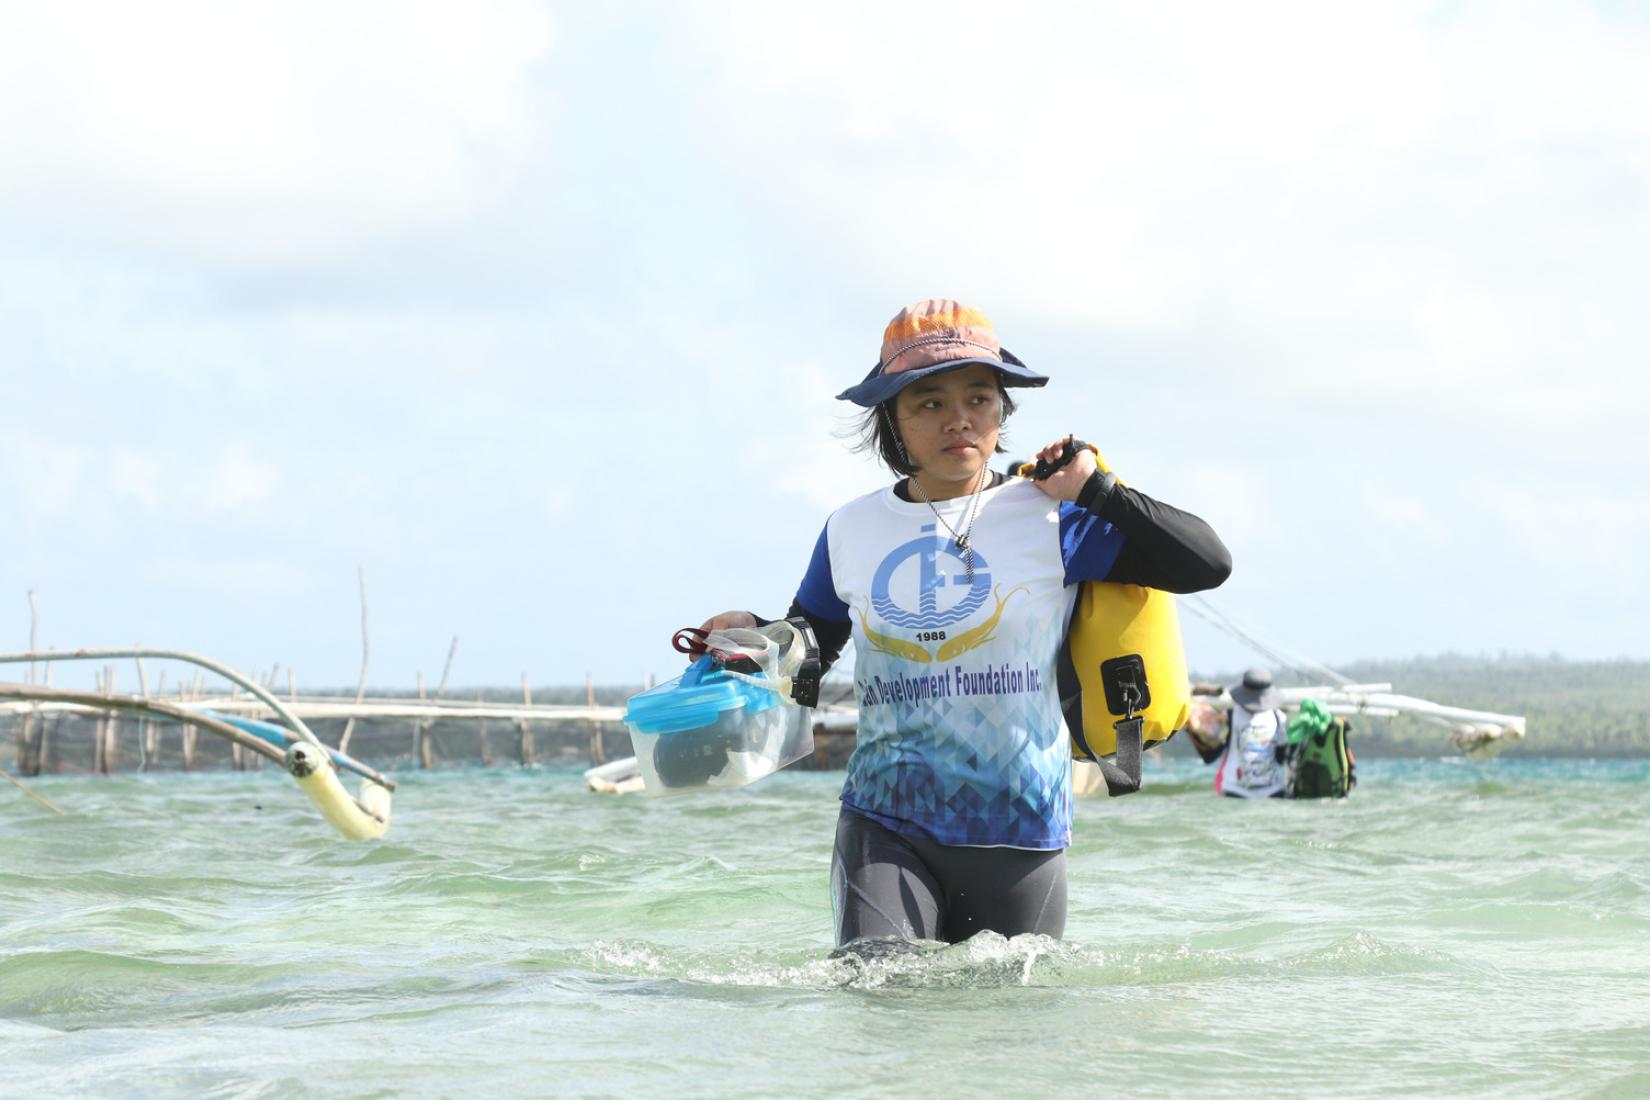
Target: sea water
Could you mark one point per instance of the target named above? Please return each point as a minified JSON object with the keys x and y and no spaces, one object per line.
{"x":1453,"y":929}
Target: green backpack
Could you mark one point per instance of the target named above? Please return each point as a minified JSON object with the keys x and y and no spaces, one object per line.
{"x":1324,"y":767}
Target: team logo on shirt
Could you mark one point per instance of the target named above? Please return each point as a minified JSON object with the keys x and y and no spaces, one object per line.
{"x":938,"y":604}
{"x":939,"y":607}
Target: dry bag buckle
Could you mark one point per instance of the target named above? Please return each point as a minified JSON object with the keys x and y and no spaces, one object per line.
{"x":1124,"y":679}
{"x":1127,"y":693}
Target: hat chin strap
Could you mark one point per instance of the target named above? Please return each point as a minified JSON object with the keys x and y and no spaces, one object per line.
{"x":899,"y":444}
{"x":893,"y":430}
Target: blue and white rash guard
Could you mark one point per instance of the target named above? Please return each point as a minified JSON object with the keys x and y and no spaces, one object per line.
{"x":960,"y":734}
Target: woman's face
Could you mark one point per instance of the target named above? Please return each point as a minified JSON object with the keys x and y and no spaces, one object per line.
{"x":949,"y":424}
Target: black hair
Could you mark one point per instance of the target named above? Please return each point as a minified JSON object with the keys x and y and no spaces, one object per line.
{"x":877,"y":433}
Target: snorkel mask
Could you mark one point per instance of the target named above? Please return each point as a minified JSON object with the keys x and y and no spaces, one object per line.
{"x":782,"y":656}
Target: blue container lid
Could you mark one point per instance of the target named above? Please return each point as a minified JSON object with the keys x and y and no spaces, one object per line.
{"x":695,"y":699}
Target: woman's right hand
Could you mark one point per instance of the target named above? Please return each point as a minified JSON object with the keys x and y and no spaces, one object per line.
{"x":729,"y":620}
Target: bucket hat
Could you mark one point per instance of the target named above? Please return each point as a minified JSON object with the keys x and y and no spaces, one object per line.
{"x":1256,"y":692}
{"x":931,"y":336}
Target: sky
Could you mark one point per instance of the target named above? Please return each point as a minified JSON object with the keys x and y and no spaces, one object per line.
{"x":534,"y":313}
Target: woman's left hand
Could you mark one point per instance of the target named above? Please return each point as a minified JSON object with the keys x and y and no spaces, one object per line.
{"x":1066,"y":482}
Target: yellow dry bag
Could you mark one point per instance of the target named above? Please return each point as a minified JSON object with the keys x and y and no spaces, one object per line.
{"x":1122,"y":657}
{"x":1112,"y":623}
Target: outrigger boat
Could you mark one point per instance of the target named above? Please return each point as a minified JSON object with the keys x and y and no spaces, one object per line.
{"x":1477,"y":734}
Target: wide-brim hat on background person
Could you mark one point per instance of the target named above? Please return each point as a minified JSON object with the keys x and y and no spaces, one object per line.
{"x":1256,"y":692}
{"x":934,"y":335}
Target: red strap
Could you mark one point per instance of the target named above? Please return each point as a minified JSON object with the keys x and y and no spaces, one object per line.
{"x":690,"y":640}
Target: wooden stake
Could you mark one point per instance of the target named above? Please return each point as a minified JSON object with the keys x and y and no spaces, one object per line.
{"x":28,"y":748}
{"x":598,"y":751}
{"x":34,"y":633}
{"x":99,"y":732}
{"x":421,"y":740}
{"x":422,"y":743}
{"x":525,"y":726}
{"x":366,"y":657}
{"x":111,"y":745}
{"x":190,"y":733}
{"x":418,"y":724}
{"x":47,"y":729}
{"x":148,"y":732}
{"x":160,"y":691}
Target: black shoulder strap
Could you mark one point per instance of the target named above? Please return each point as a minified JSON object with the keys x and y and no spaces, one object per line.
{"x":1123,"y":776}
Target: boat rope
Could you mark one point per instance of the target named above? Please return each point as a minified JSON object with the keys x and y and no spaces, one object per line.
{"x":1306,"y":666}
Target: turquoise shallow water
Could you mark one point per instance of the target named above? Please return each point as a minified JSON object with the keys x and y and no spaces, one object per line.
{"x":1451,"y":930}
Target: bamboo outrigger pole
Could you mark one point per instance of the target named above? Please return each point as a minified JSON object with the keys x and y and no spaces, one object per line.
{"x":364,"y":818}
{"x":290,"y":720}
{"x":98,"y":701}
{"x":309,"y":761}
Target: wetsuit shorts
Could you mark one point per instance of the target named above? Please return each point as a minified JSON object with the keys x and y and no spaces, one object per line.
{"x":884,"y":884}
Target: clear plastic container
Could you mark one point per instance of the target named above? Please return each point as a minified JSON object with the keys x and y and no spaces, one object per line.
{"x":706,"y":729}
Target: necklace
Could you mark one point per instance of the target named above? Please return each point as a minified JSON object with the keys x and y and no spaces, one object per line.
{"x":964,"y":540}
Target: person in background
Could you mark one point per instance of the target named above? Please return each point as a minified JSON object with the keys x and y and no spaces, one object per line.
{"x":1322,"y":764}
{"x":1252,"y":748}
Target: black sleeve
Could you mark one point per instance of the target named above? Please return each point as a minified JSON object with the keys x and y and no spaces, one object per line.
{"x":1163,"y":547}
{"x":1209,"y":755}
{"x":830,"y":635}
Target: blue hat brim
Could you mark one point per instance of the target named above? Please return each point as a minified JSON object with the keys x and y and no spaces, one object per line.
{"x":878,"y":387}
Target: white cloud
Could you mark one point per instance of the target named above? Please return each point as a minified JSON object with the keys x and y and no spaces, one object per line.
{"x":263,"y":130}
{"x":243,"y":578}
{"x":90,"y":487}
{"x":1368,"y":200}
{"x":1405,"y":512}
{"x":240,"y":482}
{"x":811,"y":455}
{"x":557,"y":500}
{"x":137,"y":476}
{"x":1233,"y":496}
{"x":1587,"y":534}
{"x":45,"y":474}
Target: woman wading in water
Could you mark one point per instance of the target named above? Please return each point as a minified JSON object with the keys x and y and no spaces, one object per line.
{"x":956,"y":585}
